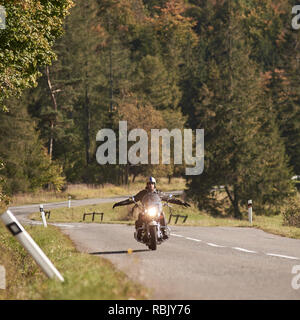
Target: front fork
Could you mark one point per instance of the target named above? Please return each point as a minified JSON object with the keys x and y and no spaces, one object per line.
{"x":146,"y":229}
{"x":155,"y":224}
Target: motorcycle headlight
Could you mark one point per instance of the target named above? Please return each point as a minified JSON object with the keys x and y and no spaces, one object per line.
{"x":152,"y":212}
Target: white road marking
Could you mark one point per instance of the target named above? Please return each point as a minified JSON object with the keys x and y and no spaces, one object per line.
{"x":198,"y":240}
{"x":188,"y":238}
{"x":235,"y":248}
{"x":54,"y":224}
{"x":244,"y":250}
{"x":63,"y":225}
{"x":214,"y":245}
{"x":282,"y":256}
{"x":177,"y":235}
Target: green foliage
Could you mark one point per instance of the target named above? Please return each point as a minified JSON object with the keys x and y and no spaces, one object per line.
{"x":120,"y":62}
{"x":27,"y":164}
{"x":244,"y":150}
{"x":174,"y":119}
{"x":4,"y":199}
{"x":274,"y":45}
{"x":40,"y":171}
{"x":152,"y":82}
{"x":291,"y":212}
{"x":26,"y":43}
{"x":229,"y":67}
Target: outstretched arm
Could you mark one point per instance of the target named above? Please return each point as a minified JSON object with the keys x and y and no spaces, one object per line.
{"x":137,"y":197}
{"x":167,"y":198}
{"x":123,"y":203}
{"x":179,"y":202}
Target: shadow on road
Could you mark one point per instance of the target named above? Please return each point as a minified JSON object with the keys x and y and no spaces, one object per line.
{"x":119,"y":252}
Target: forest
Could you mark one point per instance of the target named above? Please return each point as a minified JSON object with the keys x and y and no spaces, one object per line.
{"x":230,"y":67}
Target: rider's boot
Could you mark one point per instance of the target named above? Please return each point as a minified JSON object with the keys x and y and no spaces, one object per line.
{"x":165,"y":234}
{"x":164,"y":228}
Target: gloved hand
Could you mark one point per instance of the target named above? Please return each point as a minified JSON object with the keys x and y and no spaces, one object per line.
{"x":186,"y":204}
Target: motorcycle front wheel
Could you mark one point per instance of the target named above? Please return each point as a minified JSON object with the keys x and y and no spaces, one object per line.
{"x":153,"y":237}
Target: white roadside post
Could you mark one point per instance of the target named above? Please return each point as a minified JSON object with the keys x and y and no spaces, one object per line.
{"x":43,"y":215}
{"x":17,"y":230}
{"x":2,"y":278}
{"x":69,"y":202}
{"x":250,"y":211}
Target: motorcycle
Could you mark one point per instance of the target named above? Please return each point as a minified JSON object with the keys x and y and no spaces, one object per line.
{"x":151,"y":231}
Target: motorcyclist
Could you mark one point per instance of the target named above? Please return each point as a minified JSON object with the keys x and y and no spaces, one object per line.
{"x":151,"y":187}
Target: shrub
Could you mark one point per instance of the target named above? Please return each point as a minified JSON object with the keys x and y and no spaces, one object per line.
{"x":291,"y":212}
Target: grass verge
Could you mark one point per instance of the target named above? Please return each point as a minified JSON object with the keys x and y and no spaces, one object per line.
{"x":271,"y":224}
{"x":82,"y":191}
{"x":86,"y":277}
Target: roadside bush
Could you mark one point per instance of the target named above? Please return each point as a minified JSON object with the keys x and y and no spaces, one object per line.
{"x":4,"y":199}
{"x":291,"y":212}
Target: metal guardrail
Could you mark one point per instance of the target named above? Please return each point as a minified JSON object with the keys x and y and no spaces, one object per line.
{"x":47,"y":213}
{"x":177,"y":217}
{"x":93,"y":215}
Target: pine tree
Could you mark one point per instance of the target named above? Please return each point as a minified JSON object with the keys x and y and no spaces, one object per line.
{"x":241,"y":138}
{"x":27,"y":164}
{"x":274,"y":46}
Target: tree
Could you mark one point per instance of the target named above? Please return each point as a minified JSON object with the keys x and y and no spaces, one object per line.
{"x":28,"y":167}
{"x":274,"y":46}
{"x":26,"y":43}
{"x":174,"y":119}
{"x":139,"y":116}
{"x":4,"y":199}
{"x":69,"y":112}
{"x":243,"y":149}
{"x":174,"y":35}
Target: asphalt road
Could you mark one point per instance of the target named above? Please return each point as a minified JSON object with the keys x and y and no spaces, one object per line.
{"x":196,"y":262}
{"x":199,"y":262}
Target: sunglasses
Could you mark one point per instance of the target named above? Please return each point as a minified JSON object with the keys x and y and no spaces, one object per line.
{"x":150,"y":183}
